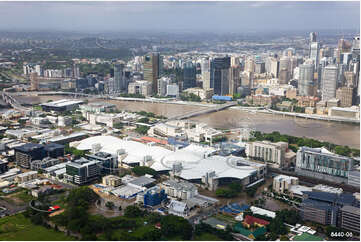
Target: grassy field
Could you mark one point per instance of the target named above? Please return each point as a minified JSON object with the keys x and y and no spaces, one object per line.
{"x":207,"y":237}
{"x":18,"y":227}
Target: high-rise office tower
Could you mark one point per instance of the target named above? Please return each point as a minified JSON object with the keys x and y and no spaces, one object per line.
{"x":120,"y":81}
{"x":235,"y":80}
{"x":151,"y":69}
{"x":34,"y":82}
{"x":205,"y":71}
{"x":284,"y":73}
{"x":76,"y":72}
{"x":314,"y":53}
{"x":249,"y":65}
{"x":259,"y":67}
{"x":274,"y":67}
{"x":313,"y":37}
{"x":220,"y":75}
{"x":189,"y":75}
{"x":305,"y":82}
{"x":329,"y":82}
{"x":234,"y":61}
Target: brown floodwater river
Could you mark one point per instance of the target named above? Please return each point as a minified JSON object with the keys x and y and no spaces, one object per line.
{"x":334,"y":132}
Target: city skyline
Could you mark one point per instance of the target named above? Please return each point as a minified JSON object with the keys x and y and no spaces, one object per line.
{"x":235,"y":17}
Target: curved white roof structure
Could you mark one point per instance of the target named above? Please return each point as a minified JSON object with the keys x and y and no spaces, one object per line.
{"x":136,"y":151}
{"x":195,"y":160}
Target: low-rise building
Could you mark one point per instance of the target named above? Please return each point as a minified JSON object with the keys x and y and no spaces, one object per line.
{"x":97,"y":107}
{"x":307,"y":101}
{"x":26,"y":176}
{"x":179,"y":189}
{"x":352,"y":112}
{"x":350,"y":218}
{"x":200,"y":92}
{"x":152,"y":196}
{"x":282,"y":183}
{"x":261,"y":100}
{"x":44,"y":190}
{"x":354,"y":178}
{"x":112,"y":181}
{"x":333,"y":103}
{"x":177,"y":208}
{"x":61,"y":105}
{"x":44,"y":163}
{"x":140,"y":87}
{"x":324,"y":207}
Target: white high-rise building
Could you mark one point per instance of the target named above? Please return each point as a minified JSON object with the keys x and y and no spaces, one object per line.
{"x":314,"y":53}
{"x":162,"y":86}
{"x":305,"y":82}
{"x":329,"y":82}
{"x":205,"y":70}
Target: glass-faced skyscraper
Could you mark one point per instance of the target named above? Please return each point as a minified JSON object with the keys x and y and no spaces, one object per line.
{"x":189,"y":75}
{"x":151,"y":69}
{"x":220,"y":75}
{"x":120,"y":82}
{"x":305,"y":82}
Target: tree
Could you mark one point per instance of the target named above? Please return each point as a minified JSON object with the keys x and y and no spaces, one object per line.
{"x":235,"y":186}
{"x":142,"y":129}
{"x":118,"y":126}
{"x":133,"y":212}
{"x":226,"y":193}
{"x":142,"y":170}
{"x":109,"y":205}
{"x":173,"y":225}
{"x":143,"y":120}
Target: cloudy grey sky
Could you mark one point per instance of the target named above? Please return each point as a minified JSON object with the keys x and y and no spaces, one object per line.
{"x":179,"y":16}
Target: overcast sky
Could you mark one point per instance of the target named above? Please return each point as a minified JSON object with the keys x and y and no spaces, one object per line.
{"x":179,"y":16}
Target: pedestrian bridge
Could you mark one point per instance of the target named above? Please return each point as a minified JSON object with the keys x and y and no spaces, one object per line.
{"x":216,"y":108}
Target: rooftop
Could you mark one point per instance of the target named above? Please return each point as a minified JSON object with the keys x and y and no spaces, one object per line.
{"x":62,"y":103}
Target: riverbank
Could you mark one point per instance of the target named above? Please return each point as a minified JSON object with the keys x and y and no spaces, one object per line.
{"x":234,"y":118}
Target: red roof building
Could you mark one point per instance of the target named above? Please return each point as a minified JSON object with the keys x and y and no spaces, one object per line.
{"x":250,"y":220}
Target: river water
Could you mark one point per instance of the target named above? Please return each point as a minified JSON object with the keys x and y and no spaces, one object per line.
{"x":334,"y":132}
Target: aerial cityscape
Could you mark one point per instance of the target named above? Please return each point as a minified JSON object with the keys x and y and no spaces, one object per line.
{"x":201,"y":121}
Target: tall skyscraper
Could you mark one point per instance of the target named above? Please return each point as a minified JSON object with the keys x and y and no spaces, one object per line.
{"x":205,"y":71}
{"x":189,"y":75}
{"x":329,"y":82}
{"x":235,"y":80}
{"x":314,"y":53}
{"x":305,"y":82}
{"x":220,"y":75}
{"x":249,"y":65}
{"x":284,"y":70}
{"x":151,"y":69}
{"x":313,"y":37}
{"x":120,"y":81}
{"x":76,"y":72}
{"x":274,"y":67}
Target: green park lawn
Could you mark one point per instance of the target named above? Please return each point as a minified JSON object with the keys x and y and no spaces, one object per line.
{"x":207,"y":237}
{"x":18,"y":227}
